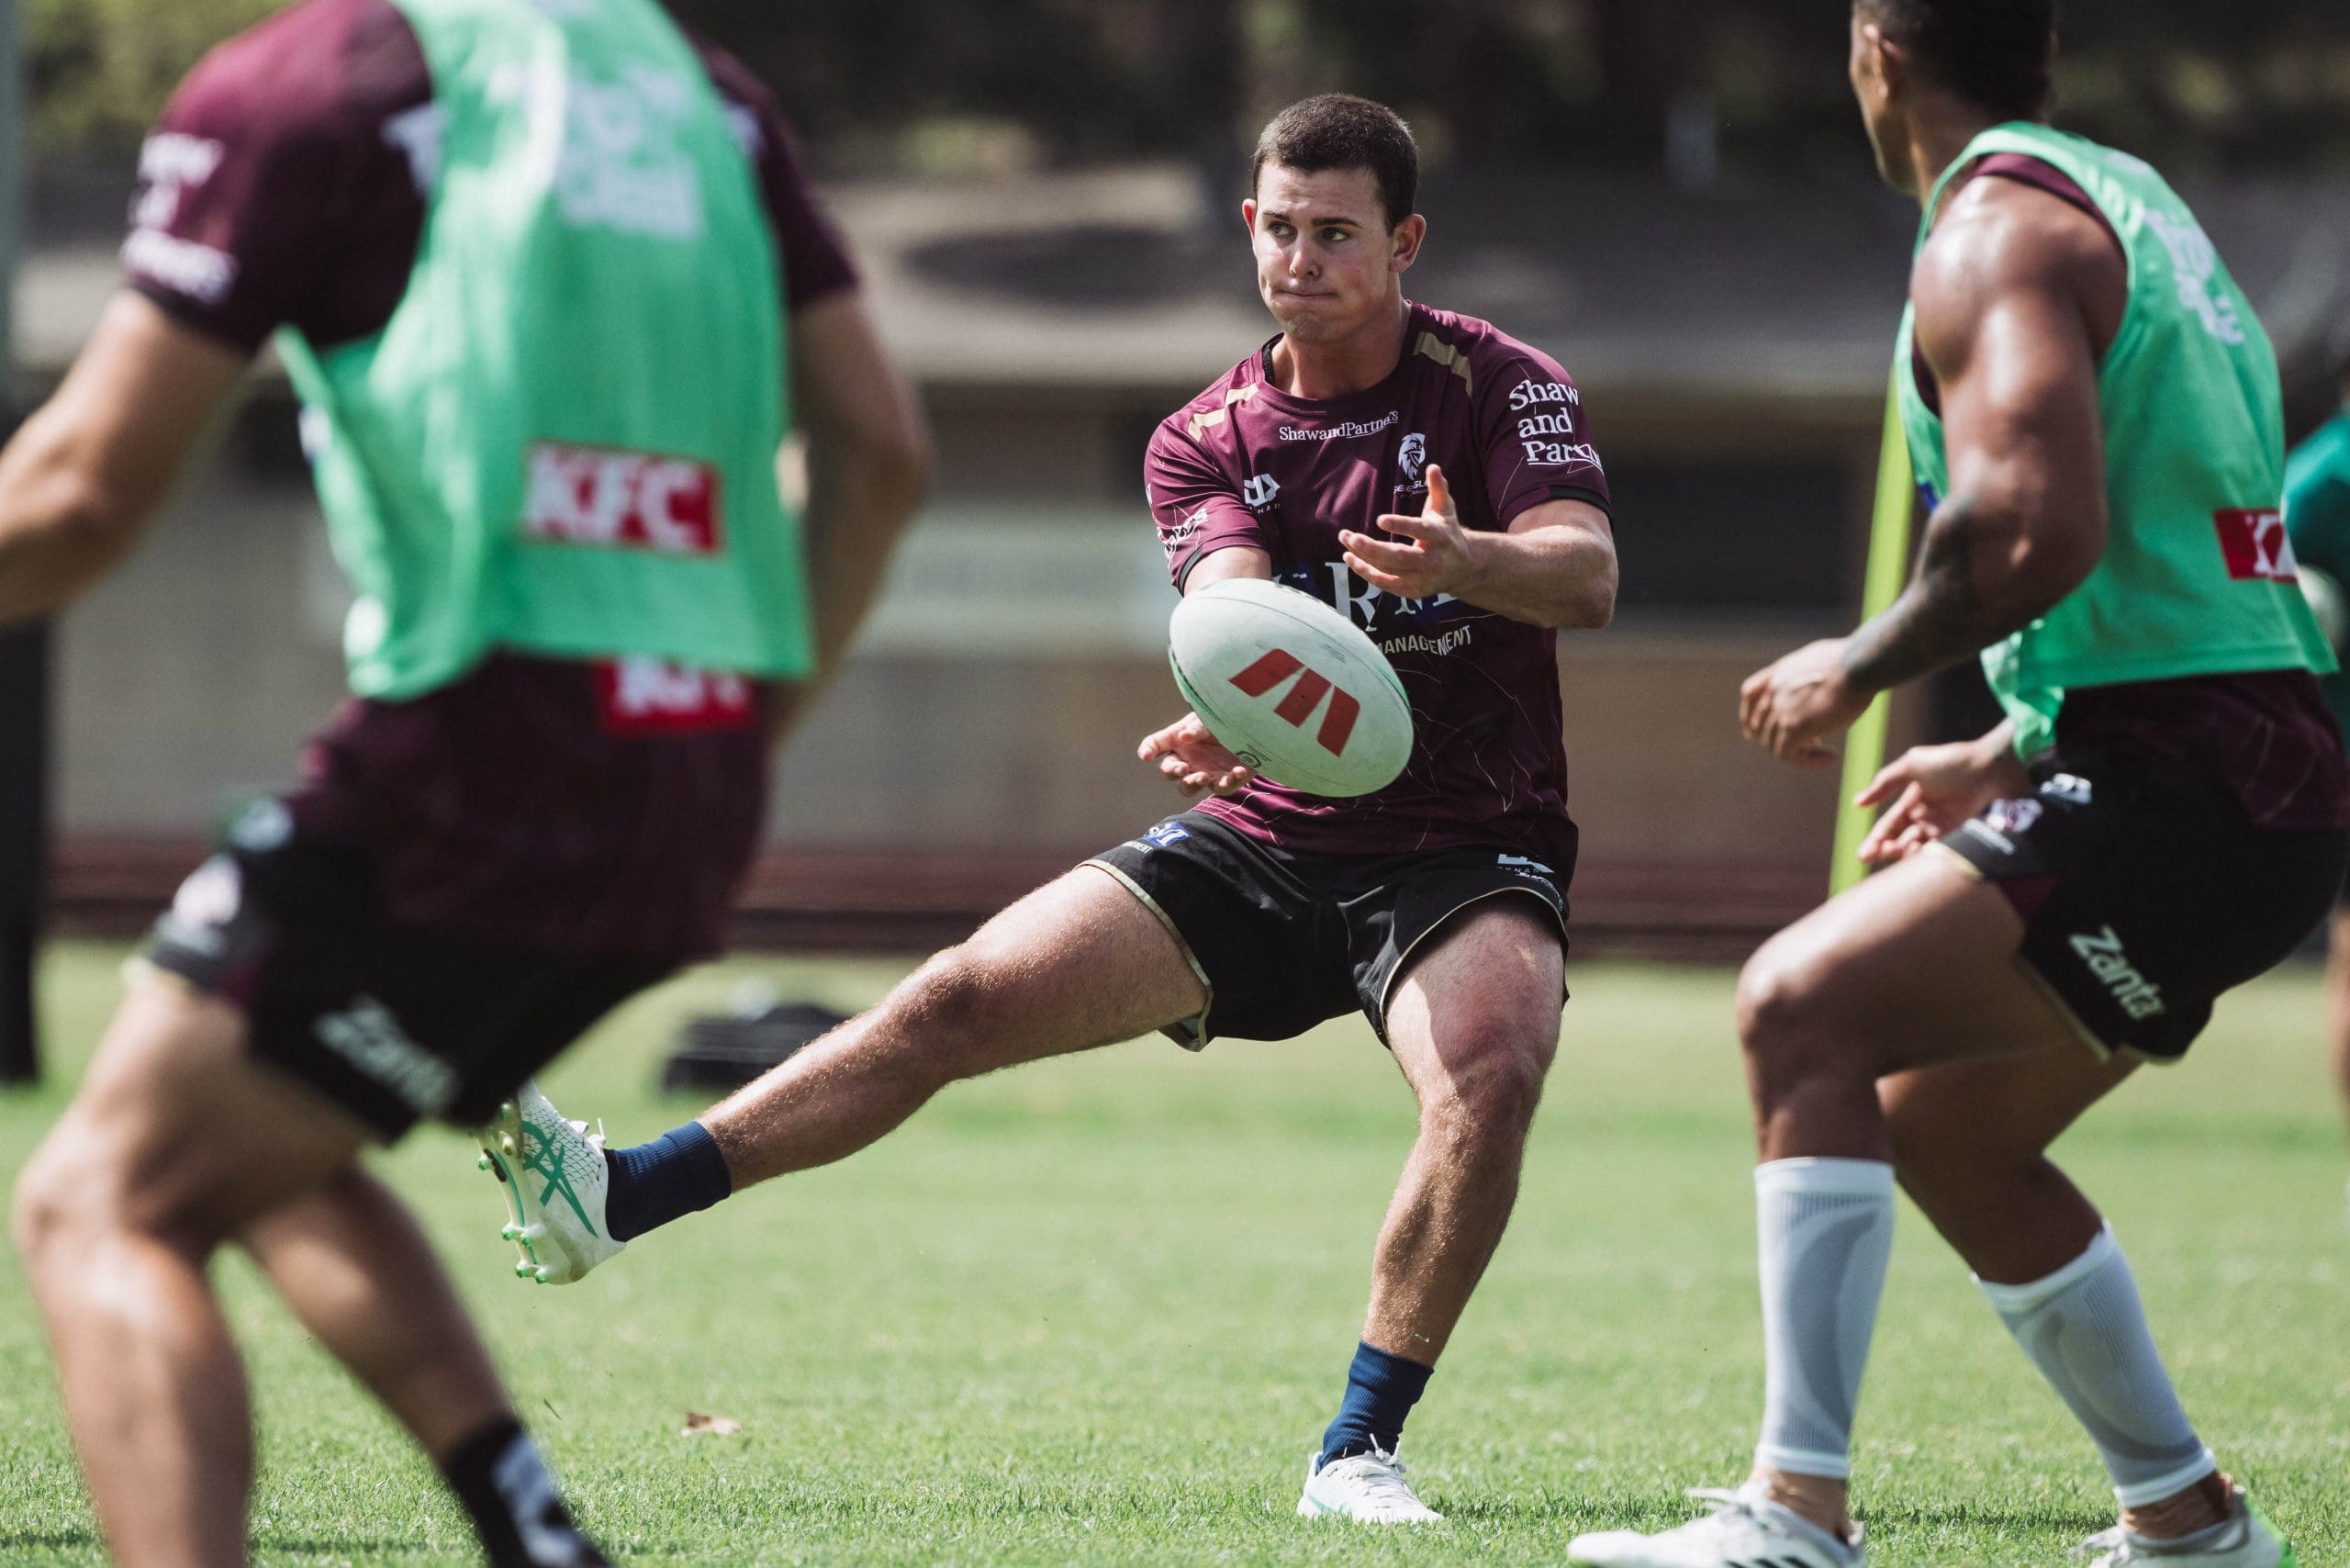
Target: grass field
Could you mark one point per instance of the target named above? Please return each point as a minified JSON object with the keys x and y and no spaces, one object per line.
{"x":1098,"y":1312}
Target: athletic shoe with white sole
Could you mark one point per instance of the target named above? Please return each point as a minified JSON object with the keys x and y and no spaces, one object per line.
{"x":2246,"y":1540}
{"x":1746,"y":1530}
{"x":555,"y":1181}
{"x":1367,"y":1488}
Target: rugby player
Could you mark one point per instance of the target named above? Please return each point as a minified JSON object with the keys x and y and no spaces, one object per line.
{"x":2096,"y":420}
{"x":545,"y":428}
{"x":2317,"y":521}
{"x":1437,"y":480}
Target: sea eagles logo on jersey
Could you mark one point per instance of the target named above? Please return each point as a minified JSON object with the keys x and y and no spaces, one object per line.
{"x":1412,"y":457}
{"x":1260,"y":492}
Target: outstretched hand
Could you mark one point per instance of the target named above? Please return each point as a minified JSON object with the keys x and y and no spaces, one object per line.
{"x":1432,"y":556}
{"x":1934,"y":789}
{"x":1194,"y":760}
{"x":1794,"y":708}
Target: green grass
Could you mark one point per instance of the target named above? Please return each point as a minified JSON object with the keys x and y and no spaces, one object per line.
{"x":1098,"y":1311}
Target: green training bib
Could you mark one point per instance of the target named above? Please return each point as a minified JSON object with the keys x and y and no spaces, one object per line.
{"x":564,"y":439}
{"x":2196,"y":577}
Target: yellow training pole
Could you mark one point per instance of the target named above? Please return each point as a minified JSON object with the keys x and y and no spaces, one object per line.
{"x":1889,"y":571}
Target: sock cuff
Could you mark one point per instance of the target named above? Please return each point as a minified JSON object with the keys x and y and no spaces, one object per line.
{"x":2139,"y":1493}
{"x":1821,"y":1176}
{"x":1803,"y":1461}
{"x":481,"y":1452}
{"x":1371,"y":1359}
{"x":2103,"y":1252}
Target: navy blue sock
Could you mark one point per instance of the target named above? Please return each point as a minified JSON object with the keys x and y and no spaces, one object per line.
{"x":1380,"y":1391}
{"x":667,"y":1179}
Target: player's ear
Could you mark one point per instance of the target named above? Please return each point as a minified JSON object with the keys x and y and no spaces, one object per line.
{"x":1249,"y":216}
{"x":1404,"y":239}
{"x":1885,"y":62}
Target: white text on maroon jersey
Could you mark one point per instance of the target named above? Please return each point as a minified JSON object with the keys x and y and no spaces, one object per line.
{"x":626,"y":500}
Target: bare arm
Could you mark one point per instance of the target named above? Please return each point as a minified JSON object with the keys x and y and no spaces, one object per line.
{"x":2011,"y":296}
{"x":88,"y":472}
{"x":868,"y":467}
{"x":2017,"y":294}
{"x":1555,"y":566}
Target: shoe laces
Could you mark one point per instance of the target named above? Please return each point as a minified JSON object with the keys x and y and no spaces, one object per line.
{"x":1383,"y":1477}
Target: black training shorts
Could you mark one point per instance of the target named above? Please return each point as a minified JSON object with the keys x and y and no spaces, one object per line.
{"x":2146,"y":891}
{"x":393,"y":1023}
{"x":1284,"y":940}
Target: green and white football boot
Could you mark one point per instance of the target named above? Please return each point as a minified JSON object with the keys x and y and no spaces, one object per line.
{"x":556,"y":1182}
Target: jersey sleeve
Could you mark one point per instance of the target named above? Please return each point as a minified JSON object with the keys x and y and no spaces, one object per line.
{"x":229,"y":218}
{"x":815,"y":255}
{"x":1196,"y":506}
{"x":1534,"y":435}
{"x":2317,"y":501}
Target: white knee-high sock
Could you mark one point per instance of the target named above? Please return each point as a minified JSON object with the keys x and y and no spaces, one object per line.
{"x":1824,"y":1229}
{"x":2084,"y":1328}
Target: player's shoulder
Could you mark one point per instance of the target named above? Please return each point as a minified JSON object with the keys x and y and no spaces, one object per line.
{"x":1996,"y":233}
{"x":751,"y":106}
{"x":1205,"y":421}
{"x":1479,"y":352}
{"x":313,"y":68}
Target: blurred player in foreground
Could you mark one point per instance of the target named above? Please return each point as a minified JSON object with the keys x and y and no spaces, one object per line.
{"x":2095,"y":416}
{"x":1437,"y":480}
{"x":545,"y":428}
{"x":2317,"y":520}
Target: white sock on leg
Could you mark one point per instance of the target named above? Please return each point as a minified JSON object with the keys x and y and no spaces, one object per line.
{"x":2084,"y":1328}
{"x":1824,"y":1229}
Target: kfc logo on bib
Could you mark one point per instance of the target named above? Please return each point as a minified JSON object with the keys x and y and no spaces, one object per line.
{"x":2256,"y":546}
{"x":621,"y":500}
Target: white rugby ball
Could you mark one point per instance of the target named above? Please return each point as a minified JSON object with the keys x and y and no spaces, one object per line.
{"x":1291,"y":687}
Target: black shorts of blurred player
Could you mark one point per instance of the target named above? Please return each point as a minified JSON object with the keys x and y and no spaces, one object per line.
{"x":2144,"y":892}
{"x":1284,"y":940}
{"x":393,"y":1023}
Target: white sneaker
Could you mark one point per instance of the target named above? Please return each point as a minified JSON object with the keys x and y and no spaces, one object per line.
{"x":1745,"y":1529}
{"x":556,"y":1182}
{"x":2246,"y":1541}
{"x":1367,"y":1488}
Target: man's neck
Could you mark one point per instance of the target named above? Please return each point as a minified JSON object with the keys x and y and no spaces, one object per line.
{"x":1319,"y":372}
{"x":1935,"y":139}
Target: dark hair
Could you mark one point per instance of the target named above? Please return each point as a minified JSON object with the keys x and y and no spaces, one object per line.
{"x":1338,"y":130}
{"x":1994,"y":53}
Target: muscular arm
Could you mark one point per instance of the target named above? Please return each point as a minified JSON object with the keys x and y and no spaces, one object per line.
{"x":869,"y":466}
{"x":88,"y":472}
{"x":1555,"y":566}
{"x":2017,"y":296}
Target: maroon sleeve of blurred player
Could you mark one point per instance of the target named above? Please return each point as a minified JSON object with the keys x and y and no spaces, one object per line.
{"x":285,"y":182}
{"x":1532,"y":431}
{"x":1194,"y":498}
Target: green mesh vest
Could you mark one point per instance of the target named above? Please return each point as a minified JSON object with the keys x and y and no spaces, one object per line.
{"x":2196,"y":578}
{"x":564,"y":439}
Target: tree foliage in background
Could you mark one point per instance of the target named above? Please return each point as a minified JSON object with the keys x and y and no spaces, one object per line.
{"x":970,"y":86}
{"x":101,"y":69}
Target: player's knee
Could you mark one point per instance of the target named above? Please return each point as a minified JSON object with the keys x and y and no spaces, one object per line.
{"x":1779,"y":1008}
{"x":55,"y":1203}
{"x":954,"y":1005}
{"x":1495,"y":1085}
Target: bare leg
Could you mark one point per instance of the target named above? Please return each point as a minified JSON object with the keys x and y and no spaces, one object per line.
{"x":352,"y":1263}
{"x":116,"y":1216}
{"x":1474,"y":1025}
{"x":1077,"y":964}
{"x":1911,"y":980}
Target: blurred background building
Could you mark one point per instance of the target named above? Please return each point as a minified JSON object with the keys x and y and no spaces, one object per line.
{"x":1672,"y":196}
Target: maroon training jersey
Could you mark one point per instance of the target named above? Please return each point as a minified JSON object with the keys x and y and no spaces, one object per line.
{"x":1245,"y":463}
{"x":579,"y":806}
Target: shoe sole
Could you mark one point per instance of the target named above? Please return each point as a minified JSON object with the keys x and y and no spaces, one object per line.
{"x":499,"y":1146}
